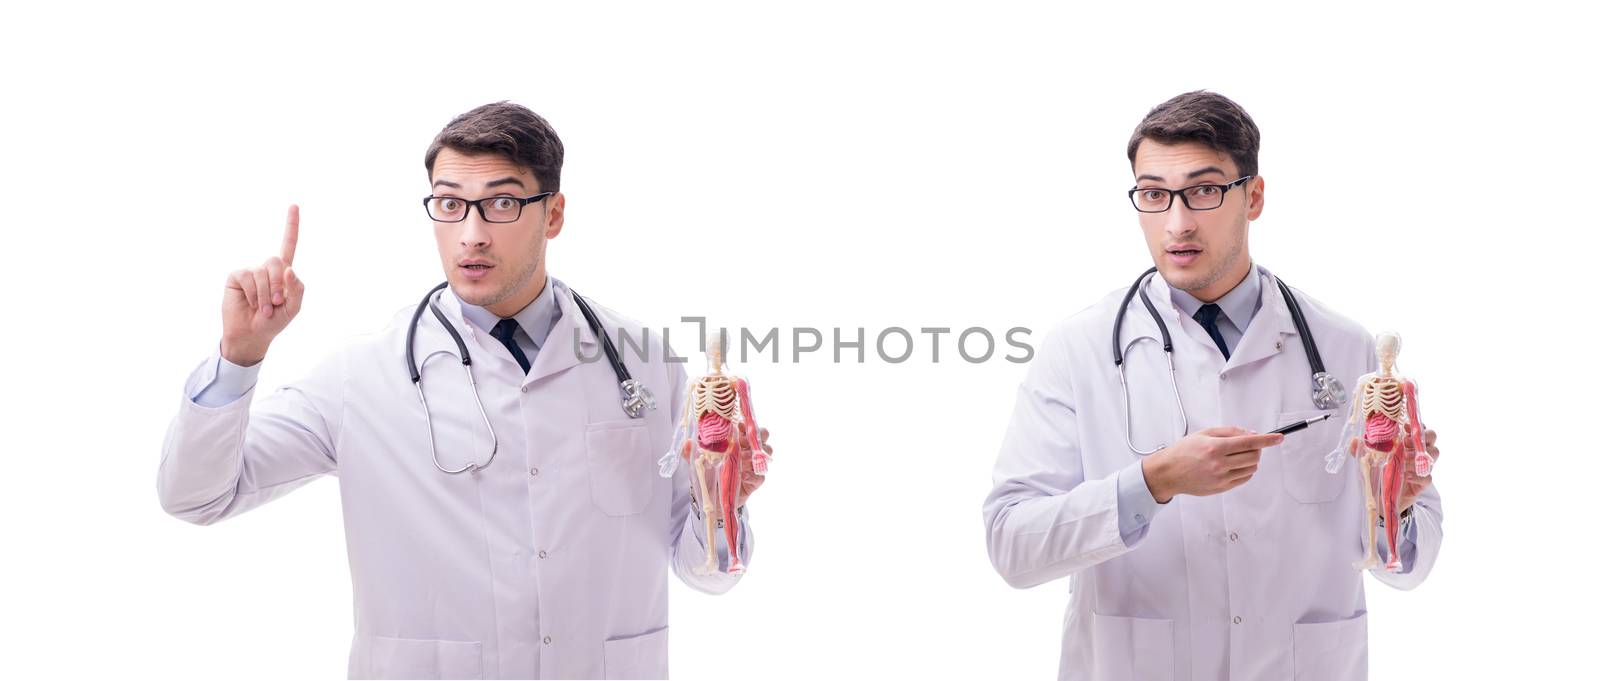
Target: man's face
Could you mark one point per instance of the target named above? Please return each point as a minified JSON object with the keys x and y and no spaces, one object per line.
{"x":1204,"y":252}
{"x":499,"y":266}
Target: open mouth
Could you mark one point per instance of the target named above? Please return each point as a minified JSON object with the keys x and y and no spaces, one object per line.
{"x":475,"y":270}
{"x":1183,"y":256}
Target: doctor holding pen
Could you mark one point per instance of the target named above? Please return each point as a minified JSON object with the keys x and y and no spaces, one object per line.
{"x":502,"y":507}
{"x":1139,"y":460}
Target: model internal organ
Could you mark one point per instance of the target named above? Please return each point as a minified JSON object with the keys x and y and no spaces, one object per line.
{"x":1383,"y":422}
{"x":717,"y":409}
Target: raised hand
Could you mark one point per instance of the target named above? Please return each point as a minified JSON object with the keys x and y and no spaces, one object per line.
{"x":257,"y":304}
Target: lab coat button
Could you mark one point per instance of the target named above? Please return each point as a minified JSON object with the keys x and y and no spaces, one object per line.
{"x":524,"y":388}
{"x":1233,"y":536}
{"x":542,"y":554}
{"x":534,"y":471}
{"x":547,"y":640}
{"x":1236,"y":619}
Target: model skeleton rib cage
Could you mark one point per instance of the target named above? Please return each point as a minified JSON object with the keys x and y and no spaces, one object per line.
{"x":1384,"y":434}
{"x":717,"y":411}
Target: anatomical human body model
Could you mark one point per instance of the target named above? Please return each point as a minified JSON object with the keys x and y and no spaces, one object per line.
{"x":1384,"y":430}
{"x":717,"y":408}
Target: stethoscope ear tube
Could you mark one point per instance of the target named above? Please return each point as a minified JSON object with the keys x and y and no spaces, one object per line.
{"x":411,"y":334}
{"x":1310,"y":344}
{"x":1122,"y":372}
{"x":466,"y":366}
{"x":1326,"y":390}
{"x":1116,"y":328}
{"x":635,"y":397}
{"x":605,"y":340}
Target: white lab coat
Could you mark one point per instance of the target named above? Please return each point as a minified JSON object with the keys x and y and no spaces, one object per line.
{"x":1275,"y":552}
{"x":570,"y":520}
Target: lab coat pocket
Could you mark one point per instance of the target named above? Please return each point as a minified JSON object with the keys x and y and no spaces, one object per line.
{"x":1331,"y":651}
{"x":1300,"y":457}
{"x":1131,"y":648}
{"x":381,"y":657}
{"x":637,"y":657}
{"x":621,"y":469}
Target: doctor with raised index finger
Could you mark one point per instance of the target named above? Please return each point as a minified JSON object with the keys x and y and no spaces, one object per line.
{"x":502,"y":507}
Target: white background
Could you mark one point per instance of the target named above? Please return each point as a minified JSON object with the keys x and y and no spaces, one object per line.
{"x":1427,"y":170}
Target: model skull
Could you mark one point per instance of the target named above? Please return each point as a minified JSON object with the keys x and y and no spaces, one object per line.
{"x":1388,"y":349}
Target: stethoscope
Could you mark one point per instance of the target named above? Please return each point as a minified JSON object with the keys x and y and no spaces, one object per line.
{"x":1326,"y":391}
{"x":635,"y":397}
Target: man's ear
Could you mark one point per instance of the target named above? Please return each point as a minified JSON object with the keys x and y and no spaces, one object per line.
{"x":557,"y":215}
{"x":1258,"y":196}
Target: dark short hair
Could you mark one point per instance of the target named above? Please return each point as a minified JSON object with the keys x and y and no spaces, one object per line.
{"x":1204,"y":117}
{"x":509,"y":130}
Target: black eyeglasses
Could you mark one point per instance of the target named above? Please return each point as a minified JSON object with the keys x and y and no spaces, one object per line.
{"x":491,"y":209}
{"x":1196,"y":197}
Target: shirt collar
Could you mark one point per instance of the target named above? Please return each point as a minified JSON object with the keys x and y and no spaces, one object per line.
{"x":1238,"y":305}
{"x":536,"y":319}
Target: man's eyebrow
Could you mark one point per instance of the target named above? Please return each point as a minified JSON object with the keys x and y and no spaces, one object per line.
{"x":1192,"y":175}
{"x":492,"y":183}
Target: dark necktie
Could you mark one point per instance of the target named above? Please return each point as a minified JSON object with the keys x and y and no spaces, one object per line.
{"x":1207,"y":316}
{"x":504,"y":332}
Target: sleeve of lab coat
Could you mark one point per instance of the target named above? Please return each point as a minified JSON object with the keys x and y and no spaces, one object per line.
{"x":220,"y":461}
{"x":1044,"y":520}
{"x":689,"y":543}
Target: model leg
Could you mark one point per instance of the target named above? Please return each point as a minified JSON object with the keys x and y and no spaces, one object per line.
{"x":1394,"y":479}
{"x":732,"y":481}
{"x":708,"y":510}
{"x":1364,"y":461}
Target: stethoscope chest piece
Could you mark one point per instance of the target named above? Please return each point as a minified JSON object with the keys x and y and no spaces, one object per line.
{"x":1326,"y":391}
{"x":636,"y":398}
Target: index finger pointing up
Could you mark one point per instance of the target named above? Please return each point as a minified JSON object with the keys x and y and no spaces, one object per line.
{"x":291,"y":235}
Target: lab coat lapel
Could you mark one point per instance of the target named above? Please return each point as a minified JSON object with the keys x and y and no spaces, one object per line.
{"x":570,"y":342}
{"x":1269,"y":332}
{"x":1161,"y":297}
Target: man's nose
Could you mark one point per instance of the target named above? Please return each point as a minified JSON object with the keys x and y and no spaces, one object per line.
{"x":474,"y":232}
{"x":1179,"y":219}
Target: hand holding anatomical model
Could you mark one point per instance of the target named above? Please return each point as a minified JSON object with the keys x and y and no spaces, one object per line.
{"x":719,"y":437}
{"x":1385,"y":430}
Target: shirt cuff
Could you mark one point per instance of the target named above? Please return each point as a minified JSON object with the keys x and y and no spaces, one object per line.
{"x":228,"y":382}
{"x":1135,"y":504}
